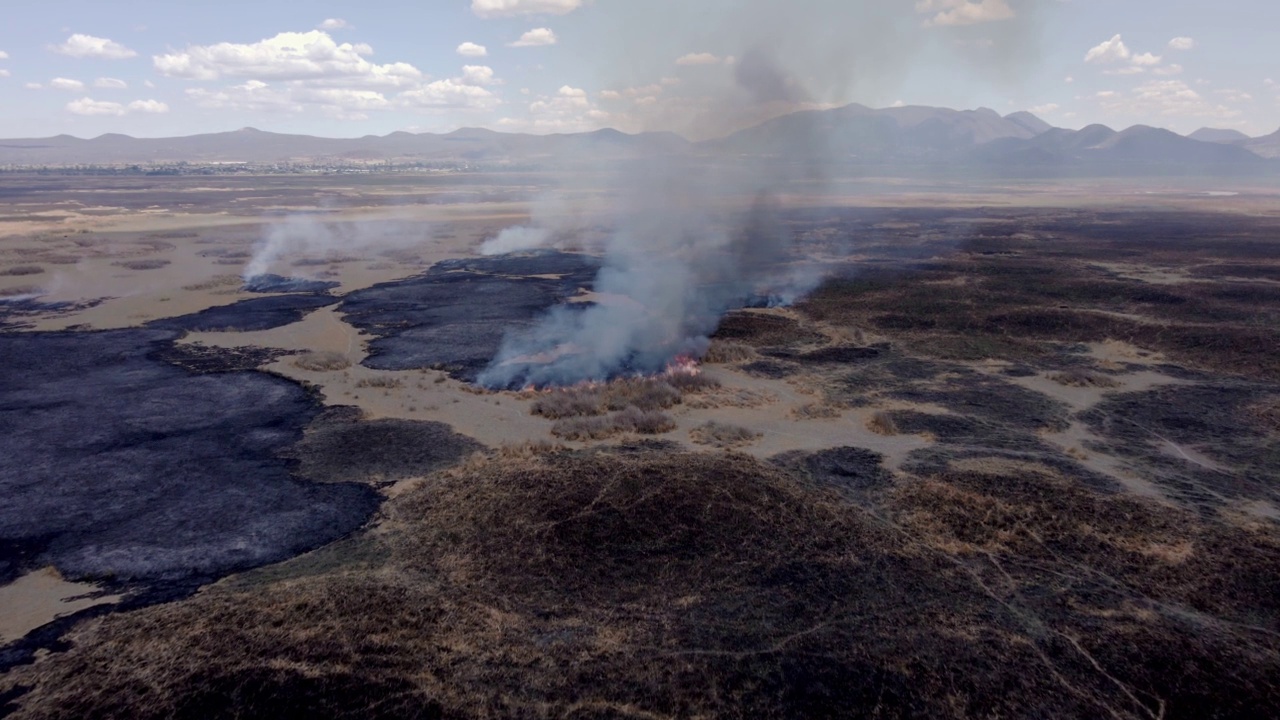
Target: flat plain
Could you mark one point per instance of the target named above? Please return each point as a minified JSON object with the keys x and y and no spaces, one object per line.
{"x":1015,"y":456}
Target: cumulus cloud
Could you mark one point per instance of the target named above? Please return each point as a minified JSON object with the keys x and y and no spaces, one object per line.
{"x":470,"y":49}
{"x":288,"y":56}
{"x":1146,"y":59}
{"x":4,"y":73}
{"x":91,"y":107}
{"x":699,"y":59}
{"x":1046,"y":109}
{"x":507,"y":8}
{"x":4,"y":55}
{"x":478,"y":75}
{"x":1113,"y":50}
{"x":88,"y":46}
{"x":451,"y":94}
{"x":537,"y":37}
{"x":1168,"y":98}
{"x":568,"y":110}
{"x":963,"y":12}
{"x":1182,"y":43}
{"x":1233,"y":95}
{"x":33,"y":86}
{"x":148,"y":106}
{"x":110,"y":84}
{"x":333,"y":24}
{"x":1170,"y":69}
{"x":66,"y":84}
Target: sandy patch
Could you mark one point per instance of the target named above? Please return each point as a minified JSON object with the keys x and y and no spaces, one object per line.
{"x":41,"y":597}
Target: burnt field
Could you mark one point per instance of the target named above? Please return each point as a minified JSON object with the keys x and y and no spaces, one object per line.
{"x":1073,"y":510}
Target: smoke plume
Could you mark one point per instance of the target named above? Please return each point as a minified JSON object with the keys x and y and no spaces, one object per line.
{"x":700,"y":233}
{"x":305,"y":237}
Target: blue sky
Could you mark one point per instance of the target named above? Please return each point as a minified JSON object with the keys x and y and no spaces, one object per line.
{"x":151,"y":68}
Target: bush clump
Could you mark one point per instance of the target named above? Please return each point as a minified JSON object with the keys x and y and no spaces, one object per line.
{"x":322,"y":361}
{"x":723,"y":435}
{"x":630,"y":420}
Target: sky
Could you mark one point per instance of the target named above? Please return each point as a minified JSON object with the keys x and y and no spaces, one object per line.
{"x":152,"y":69}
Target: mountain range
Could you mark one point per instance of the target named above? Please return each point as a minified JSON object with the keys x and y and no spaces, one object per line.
{"x":909,"y":136}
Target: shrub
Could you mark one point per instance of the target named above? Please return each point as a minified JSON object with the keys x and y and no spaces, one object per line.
{"x":322,"y":361}
{"x":882,"y":423}
{"x":723,"y":435}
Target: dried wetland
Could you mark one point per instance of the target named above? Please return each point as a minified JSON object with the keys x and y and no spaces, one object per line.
{"x":1014,"y":454}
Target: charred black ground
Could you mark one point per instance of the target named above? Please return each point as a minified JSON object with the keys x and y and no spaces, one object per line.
{"x":454,"y":316}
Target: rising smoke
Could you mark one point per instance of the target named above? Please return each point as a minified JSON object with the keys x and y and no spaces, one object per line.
{"x":301,"y":238}
{"x":685,"y":251}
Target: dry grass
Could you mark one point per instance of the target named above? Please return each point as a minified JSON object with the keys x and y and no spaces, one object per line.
{"x":881,"y":423}
{"x":648,"y":394}
{"x":148,"y":264}
{"x":816,"y":411}
{"x":1084,"y":379}
{"x":723,"y":435}
{"x":630,"y":420}
{"x":322,"y":361}
{"x":215,"y":283}
{"x":22,"y":270}
{"x":385,"y":382}
{"x":538,"y":583}
{"x":724,"y":352}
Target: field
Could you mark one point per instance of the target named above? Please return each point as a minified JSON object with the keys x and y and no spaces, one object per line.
{"x":1015,"y":456}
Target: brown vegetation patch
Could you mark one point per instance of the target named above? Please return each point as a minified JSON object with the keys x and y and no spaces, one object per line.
{"x":1083,"y":379}
{"x":724,"y":352}
{"x":646,"y":393}
{"x":148,"y":264}
{"x":723,"y":435}
{"x":630,"y":420}
{"x":22,"y":270}
{"x":882,"y":423}
{"x":322,"y":361}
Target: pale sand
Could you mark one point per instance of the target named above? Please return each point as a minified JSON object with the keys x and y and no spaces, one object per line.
{"x":41,"y":597}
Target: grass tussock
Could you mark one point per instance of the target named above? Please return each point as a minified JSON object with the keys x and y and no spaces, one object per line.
{"x":18,"y":270}
{"x":147,"y":264}
{"x":218,"y":282}
{"x":723,"y":435}
{"x":322,"y":361}
{"x":882,"y":423}
{"x":816,"y":411}
{"x":1084,"y":379}
{"x":647,"y":394}
{"x":384,"y":382}
{"x":725,"y":352}
{"x":629,"y":420}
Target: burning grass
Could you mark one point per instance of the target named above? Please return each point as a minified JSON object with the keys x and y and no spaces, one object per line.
{"x":648,"y":394}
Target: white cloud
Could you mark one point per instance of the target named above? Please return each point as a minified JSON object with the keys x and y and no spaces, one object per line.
{"x":1127,"y":70}
{"x":4,"y":55}
{"x":452,"y":94}
{"x":1168,"y":98}
{"x":1182,"y":43}
{"x":507,"y":8}
{"x":568,"y":110}
{"x":1233,"y":95}
{"x":1113,"y":50}
{"x":148,"y":83}
{"x":66,"y":84}
{"x":33,"y":86}
{"x":964,"y":12}
{"x":1168,"y":70}
{"x":698,"y":59}
{"x":148,"y":106}
{"x":89,"y":106}
{"x":1146,"y":59}
{"x":1046,"y":109}
{"x":537,"y":37}
{"x":4,"y":73}
{"x":470,"y":49}
{"x":898,"y":104}
{"x":478,"y":75}
{"x":610,"y":95}
{"x":1069,"y":80}
{"x":333,"y":24}
{"x":110,"y":84}
{"x":88,"y":46}
{"x":1269,"y":83}
{"x":310,"y":56}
